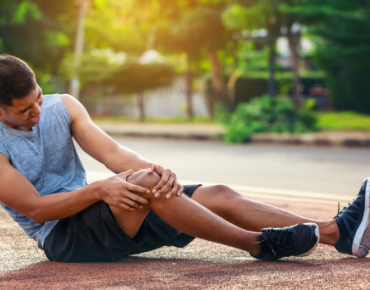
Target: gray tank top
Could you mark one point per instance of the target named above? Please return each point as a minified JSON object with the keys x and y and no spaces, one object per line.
{"x":46,"y":156}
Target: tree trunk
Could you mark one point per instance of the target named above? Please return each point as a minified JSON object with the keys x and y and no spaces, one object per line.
{"x":210,"y":104}
{"x":79,"y":44}
{"x":140,"y":102}
{"x":271,"y":81}
{"x":189,"y":94}
{"x":293,"y":40}
{"x":218,"y":85}
{"x":232,"y":91}
{"x":218,"y":88}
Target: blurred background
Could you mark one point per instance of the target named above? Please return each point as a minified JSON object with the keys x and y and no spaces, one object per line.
{"x":201,"y":60}
{"x":246,"y":66}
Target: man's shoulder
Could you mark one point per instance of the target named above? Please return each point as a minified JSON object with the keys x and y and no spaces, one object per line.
{"x":51,"y":100}
{"x":56,"y":103}
{"x":67,"y":99}
{"x":75,"y":109}
{"x":54,"y":109}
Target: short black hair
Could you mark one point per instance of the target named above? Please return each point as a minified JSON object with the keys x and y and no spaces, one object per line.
{"x":17,"y":80}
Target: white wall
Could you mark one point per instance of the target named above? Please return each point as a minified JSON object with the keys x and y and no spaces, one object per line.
{"x":162,"y":102}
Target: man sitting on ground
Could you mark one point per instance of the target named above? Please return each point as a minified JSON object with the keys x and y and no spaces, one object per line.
{"x":141,"y":208}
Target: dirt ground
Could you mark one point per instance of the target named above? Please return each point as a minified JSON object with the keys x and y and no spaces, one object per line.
{"x":201,"y":265}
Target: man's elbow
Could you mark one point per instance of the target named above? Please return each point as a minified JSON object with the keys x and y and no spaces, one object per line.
{"x":37,"y":217}
{"x":34,"y":213}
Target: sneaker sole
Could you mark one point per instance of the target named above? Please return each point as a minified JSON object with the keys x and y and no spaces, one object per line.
{"x":361,"y":241}
{"x":317,"y":234}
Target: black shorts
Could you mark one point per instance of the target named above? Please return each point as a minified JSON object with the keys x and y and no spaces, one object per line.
{"x":93,"y":235}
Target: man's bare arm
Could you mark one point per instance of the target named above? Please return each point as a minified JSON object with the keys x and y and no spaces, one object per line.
{"x":97,"y":143}
{"x":115,"y":157}
{"x":19,"y":194}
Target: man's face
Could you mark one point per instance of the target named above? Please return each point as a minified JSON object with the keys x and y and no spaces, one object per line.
{"x":25,"y":113}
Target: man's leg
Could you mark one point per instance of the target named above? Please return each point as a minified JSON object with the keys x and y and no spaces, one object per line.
{"x":185,"y":215}
{"x":253,"y":216}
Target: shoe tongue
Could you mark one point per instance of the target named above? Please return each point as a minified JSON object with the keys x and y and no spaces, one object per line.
{"x":289,"y":239}
{"x":293,"y":238}
{"x":277,"y":241}
{"x":284,"y":239}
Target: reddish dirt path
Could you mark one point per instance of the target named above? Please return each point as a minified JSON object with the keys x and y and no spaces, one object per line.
{"x":201,"y":265}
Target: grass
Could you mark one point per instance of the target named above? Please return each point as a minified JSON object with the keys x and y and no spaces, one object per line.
{"x":334,"y":121}
{"x":344,"y":121}
{"x":169,"y":120}
{"x":282,"y":74}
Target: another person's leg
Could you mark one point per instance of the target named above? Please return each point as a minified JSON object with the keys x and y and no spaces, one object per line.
{"x":193,"y":219}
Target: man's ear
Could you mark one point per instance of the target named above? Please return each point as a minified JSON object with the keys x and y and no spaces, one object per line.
{"x":1,"y":111}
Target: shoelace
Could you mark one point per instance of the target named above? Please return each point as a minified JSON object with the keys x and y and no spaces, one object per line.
{"x":276,"y":237}
{"x":340,"y":212}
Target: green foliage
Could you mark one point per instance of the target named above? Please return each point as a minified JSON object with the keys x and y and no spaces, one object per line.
{"x":93,"y":69}
{"x":48,"y":82}
{"x":249,"y":17}
{"x":342,"y":30}
{"x":133,"y":77}
{"x":126,"y":78}
{"x":42,"y":32}
{"x":23,"y":9}
{"x":252,"y":60}
{"x":110,"y":24}
{"x":265,"y":114}
{"x":189,"y":26}
{"x":37,"y":31}
{"x":193,"y":28}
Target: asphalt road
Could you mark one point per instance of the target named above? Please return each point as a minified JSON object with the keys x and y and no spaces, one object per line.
{"x":336,"y":171}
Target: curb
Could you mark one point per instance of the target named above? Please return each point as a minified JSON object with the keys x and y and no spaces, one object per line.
{"x":170,"y":131}
{"x":350,"y":139}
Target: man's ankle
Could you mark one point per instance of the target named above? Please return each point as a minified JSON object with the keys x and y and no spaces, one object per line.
{"x":329,"y":233}
{"x":256,"y":251}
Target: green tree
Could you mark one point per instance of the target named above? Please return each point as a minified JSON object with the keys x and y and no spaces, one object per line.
{"x":115,"y":25}
{"x":111,"y":24}
{"x":193,"y":27}
{"x":252,"y":15}
{"x":37,"y":31}
{"x":106,"y":76}
{"x":343,"y":46}
{"x":134,"y":78}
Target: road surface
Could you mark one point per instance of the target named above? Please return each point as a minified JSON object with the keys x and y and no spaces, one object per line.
{"x":335,"y":171}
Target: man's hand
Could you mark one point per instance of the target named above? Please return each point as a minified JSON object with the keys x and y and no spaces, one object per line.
{"x":168,"y":183}
{"x":116,"y":191}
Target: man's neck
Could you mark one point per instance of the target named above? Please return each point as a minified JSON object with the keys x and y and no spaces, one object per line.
{"x":10,"y":125}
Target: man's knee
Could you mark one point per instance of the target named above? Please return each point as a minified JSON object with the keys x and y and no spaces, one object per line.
{"x":223,"y":192}
{"x":144,"y":179}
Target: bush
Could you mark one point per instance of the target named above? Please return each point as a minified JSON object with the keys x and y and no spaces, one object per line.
{"x":265,"y":114}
